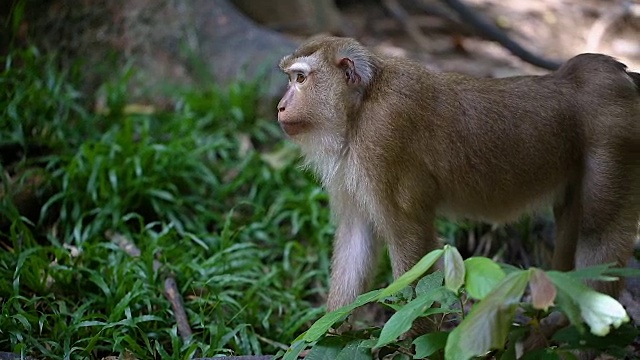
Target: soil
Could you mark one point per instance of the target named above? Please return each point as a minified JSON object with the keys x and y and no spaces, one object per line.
{"x":549,"y":28}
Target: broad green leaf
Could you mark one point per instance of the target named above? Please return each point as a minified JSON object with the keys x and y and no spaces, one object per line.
{"x":481,"y":276}
{"x":428,"y":344}
{"x":543,"y":292}
{"x":453,"y":269}
{"x":325,"y":323}
{"x":598,"y":310}
{"x":571,"y":309}
{"x":487,"y":325}
{"x":412,"y":275}
{"x":327,"y":348}
{"x":543,"y":354}
{"x":429,"y":282}
{"x":355,"y":350}
{"x":400,"y":322}
{"x":616,"y":341}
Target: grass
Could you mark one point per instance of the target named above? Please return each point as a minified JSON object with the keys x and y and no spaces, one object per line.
{"x":207,"y":188}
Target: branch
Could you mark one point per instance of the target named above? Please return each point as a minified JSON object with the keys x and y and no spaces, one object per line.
{"x":170,"y":286}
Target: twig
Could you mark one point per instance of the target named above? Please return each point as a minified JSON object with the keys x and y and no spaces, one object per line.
{"x":412,"y":29}
{"x":491,"y":31}
{"x":170,"y":286}
{"x":272,"y":342}
{"x":172,"y":293}
{"x":600,"y":26}
{"x":468,"y":17}
{"x":12,"y":356}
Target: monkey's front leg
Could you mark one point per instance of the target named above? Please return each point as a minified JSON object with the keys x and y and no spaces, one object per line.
{"x":408,"y":241}
{"x":355,"y":256}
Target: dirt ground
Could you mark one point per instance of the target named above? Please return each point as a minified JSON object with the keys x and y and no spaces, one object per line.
{"x":557,"y":29}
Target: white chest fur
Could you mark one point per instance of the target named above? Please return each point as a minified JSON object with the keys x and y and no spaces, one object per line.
{"x":343,"y":176}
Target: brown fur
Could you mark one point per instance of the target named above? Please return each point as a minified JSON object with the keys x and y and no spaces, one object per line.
{"x":400,"y":144}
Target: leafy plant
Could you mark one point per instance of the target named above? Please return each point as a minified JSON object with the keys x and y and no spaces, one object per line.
{"x":488,"y":327}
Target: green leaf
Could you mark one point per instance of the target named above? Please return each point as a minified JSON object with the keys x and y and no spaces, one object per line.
{"x":481,"y":276}
{"x":325,"y":323}
{"x":162,"y":194}
{"x":412,"y":275}
{"x":616,"y":341}
{"x":295,"y":350}
{"x":328,"y":348}
{"x":98,"y":279}
{"x":400,"y":322}
{"x":453,"y":269}
{"x":596,"y":272}
{"x":428,"y":344}
{"x":23,"y":320}
{"x":487,"y":325}
{"x":355,"y":350}
{"x":430,"y":282}
{"x":570,"y":308}
{"x":542,"y":354}
{"x":623,"y":272}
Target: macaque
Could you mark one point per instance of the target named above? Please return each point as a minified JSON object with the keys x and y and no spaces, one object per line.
{"x":395,"y":144}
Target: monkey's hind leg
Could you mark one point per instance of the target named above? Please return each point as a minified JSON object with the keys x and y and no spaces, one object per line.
{"x":409,"y":239}
{"x":567,"y":223}
{"x":596,"y":220}
{"x":610,"y":210}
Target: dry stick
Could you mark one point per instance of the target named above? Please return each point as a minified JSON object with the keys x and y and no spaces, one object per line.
{"x":410,"y":26}
{"x":172,"y":293}
{"x":170,"y":286}
{"x":600,"y":26}
{"x":470,"y":18}
{"x":491,"y":31}
{"x":13,"y":356}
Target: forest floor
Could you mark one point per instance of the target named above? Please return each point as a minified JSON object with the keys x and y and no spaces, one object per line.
{"x":549,"y":28}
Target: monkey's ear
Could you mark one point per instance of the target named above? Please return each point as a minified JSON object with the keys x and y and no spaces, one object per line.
{"x":350,"y":72}
{"x":358,"y":64}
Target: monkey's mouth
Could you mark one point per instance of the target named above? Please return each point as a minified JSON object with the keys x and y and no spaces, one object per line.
{"x":293,"y":128}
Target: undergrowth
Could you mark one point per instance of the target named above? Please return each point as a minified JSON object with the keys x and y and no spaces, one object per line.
{"x":206,"y":188}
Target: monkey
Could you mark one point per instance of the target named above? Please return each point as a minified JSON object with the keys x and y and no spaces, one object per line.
{"x":395,"y":144}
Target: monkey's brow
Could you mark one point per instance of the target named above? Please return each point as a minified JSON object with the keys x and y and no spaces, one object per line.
{"x":299,"y":66}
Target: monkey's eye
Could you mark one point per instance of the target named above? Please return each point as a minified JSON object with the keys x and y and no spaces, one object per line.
{"x":300,"y":78}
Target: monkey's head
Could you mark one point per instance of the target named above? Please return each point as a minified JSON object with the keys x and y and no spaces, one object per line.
{"x":328,"y":78}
